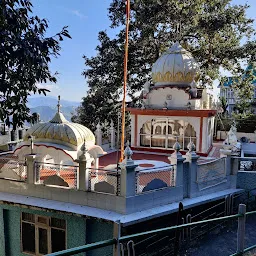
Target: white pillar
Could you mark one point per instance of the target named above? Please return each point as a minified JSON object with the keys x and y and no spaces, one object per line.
{"x":99,"y":135}
{"x":128,"y":174}
{"x":177,"y":160}
{"x":31,"y":172}
{"x":97,"y":164}
{"x":84,"y":169}
{"x":112,"y":134}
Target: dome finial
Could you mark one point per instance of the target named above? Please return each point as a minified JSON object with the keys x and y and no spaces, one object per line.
{"x":58,"y":105}
{"x":128,"y":152}
{"x":85,"y":153}
{"x":191,"y":146}
{"x":176,"y":145}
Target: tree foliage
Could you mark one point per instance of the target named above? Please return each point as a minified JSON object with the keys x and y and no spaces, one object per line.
{"x":25,"y":54}
{"x":223,"y":105}
{"x":244,"y":88}
{"x":210,"y":30}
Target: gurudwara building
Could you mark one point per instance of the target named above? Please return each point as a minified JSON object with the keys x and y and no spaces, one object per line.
{"x":59,"y":189}
{"x":174,"y":107}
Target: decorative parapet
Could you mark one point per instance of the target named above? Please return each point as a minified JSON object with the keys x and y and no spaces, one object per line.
{"x":154,"y":179}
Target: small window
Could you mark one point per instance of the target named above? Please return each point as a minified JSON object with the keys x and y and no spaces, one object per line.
{"x":58,"y":223}
{"x":28,"y":237}
{"x":58,"y":237}
{"x":43,"y":236}
{"x":43,"y":240}
{"x":29,"y":217}
{"x":43,"y":220}
{"x":158,"y":130}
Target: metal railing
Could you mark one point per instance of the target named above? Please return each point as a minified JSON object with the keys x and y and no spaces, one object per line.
{"x":56,"y":174}
{"x":104,"y":181}
{"x":154,"y":178}
{"x":241,"y":216}
{"x":13,"y":169}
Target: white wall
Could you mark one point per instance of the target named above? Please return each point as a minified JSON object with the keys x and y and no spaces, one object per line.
{"x":4,"y":139}
{"x":175,"y":98}
{"x":132,"y":129}
{"x":207,"y":137}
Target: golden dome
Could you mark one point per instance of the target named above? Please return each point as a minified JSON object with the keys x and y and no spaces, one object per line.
{"x":61,"y":131}
{"x":176,"y":66}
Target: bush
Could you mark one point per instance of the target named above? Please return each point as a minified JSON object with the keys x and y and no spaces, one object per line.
{"x":243,"y":124}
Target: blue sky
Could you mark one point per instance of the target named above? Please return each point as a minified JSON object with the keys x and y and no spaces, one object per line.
{"x":85,"y":19}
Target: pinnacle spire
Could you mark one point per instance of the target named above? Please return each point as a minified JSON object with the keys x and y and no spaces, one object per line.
{"x":58,"y":105}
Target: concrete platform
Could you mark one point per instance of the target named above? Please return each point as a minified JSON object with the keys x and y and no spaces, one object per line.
{"x":126,"y":220}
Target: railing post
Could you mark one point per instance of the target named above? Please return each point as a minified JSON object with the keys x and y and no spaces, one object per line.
{"x":128,"y":174}
{"x":235,"y":166}
{"x":227,"y":154}
{"x":177,"y":160}
{"x":31,"y":170}
{"x":241,"y":229}
{"x":117,"y":234}
{"x":112,"y":135}
{"x":192,"y":158}
{"x":188,"y":230}
{"x":83,"y":171}
{"x":228,"y":165}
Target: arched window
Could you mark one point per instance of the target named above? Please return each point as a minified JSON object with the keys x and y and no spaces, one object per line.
{"x":145,"y":134}
{"x":158,"y":130}
{"x":190,"y":131}
{"x":163,"y":133}
{"x":189,"y":134}
{"x":145,"y":129}
{"x":169,"y":130}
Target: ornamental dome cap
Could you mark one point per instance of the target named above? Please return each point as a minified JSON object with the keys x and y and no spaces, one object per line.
{"x":175,"y":67}
{"x":60,"y":131}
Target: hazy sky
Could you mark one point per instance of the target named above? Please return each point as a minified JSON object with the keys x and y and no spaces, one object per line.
{"x":85,"y":19}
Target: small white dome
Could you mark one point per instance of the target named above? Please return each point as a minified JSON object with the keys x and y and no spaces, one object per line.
{"x":175,"y":67}
{"x":61,"y":131}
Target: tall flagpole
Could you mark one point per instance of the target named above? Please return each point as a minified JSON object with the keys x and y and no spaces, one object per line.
{"x":125,"y":77}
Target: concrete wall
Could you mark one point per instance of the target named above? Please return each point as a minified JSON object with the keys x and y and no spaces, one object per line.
{"x":153,"y":199}
{"x":221,"y":135}
{"x":99,"y":200}
{"x":176,"y":98}
{"x":98,"y":230}
{"x":76,"y":229}
{"x":131,"y":202}
{"x":246,"y":180}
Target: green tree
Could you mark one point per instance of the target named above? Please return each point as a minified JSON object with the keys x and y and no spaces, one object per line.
{"x":223,"y":104}
{"x":211,"y":30}
{"x":244,"y":88}
{"x":25,"y":54}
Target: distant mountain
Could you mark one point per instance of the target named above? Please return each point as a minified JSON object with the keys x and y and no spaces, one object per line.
{"x":47,"y":113}
{"x":50,"y":102}
{"x":46,"y":107}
